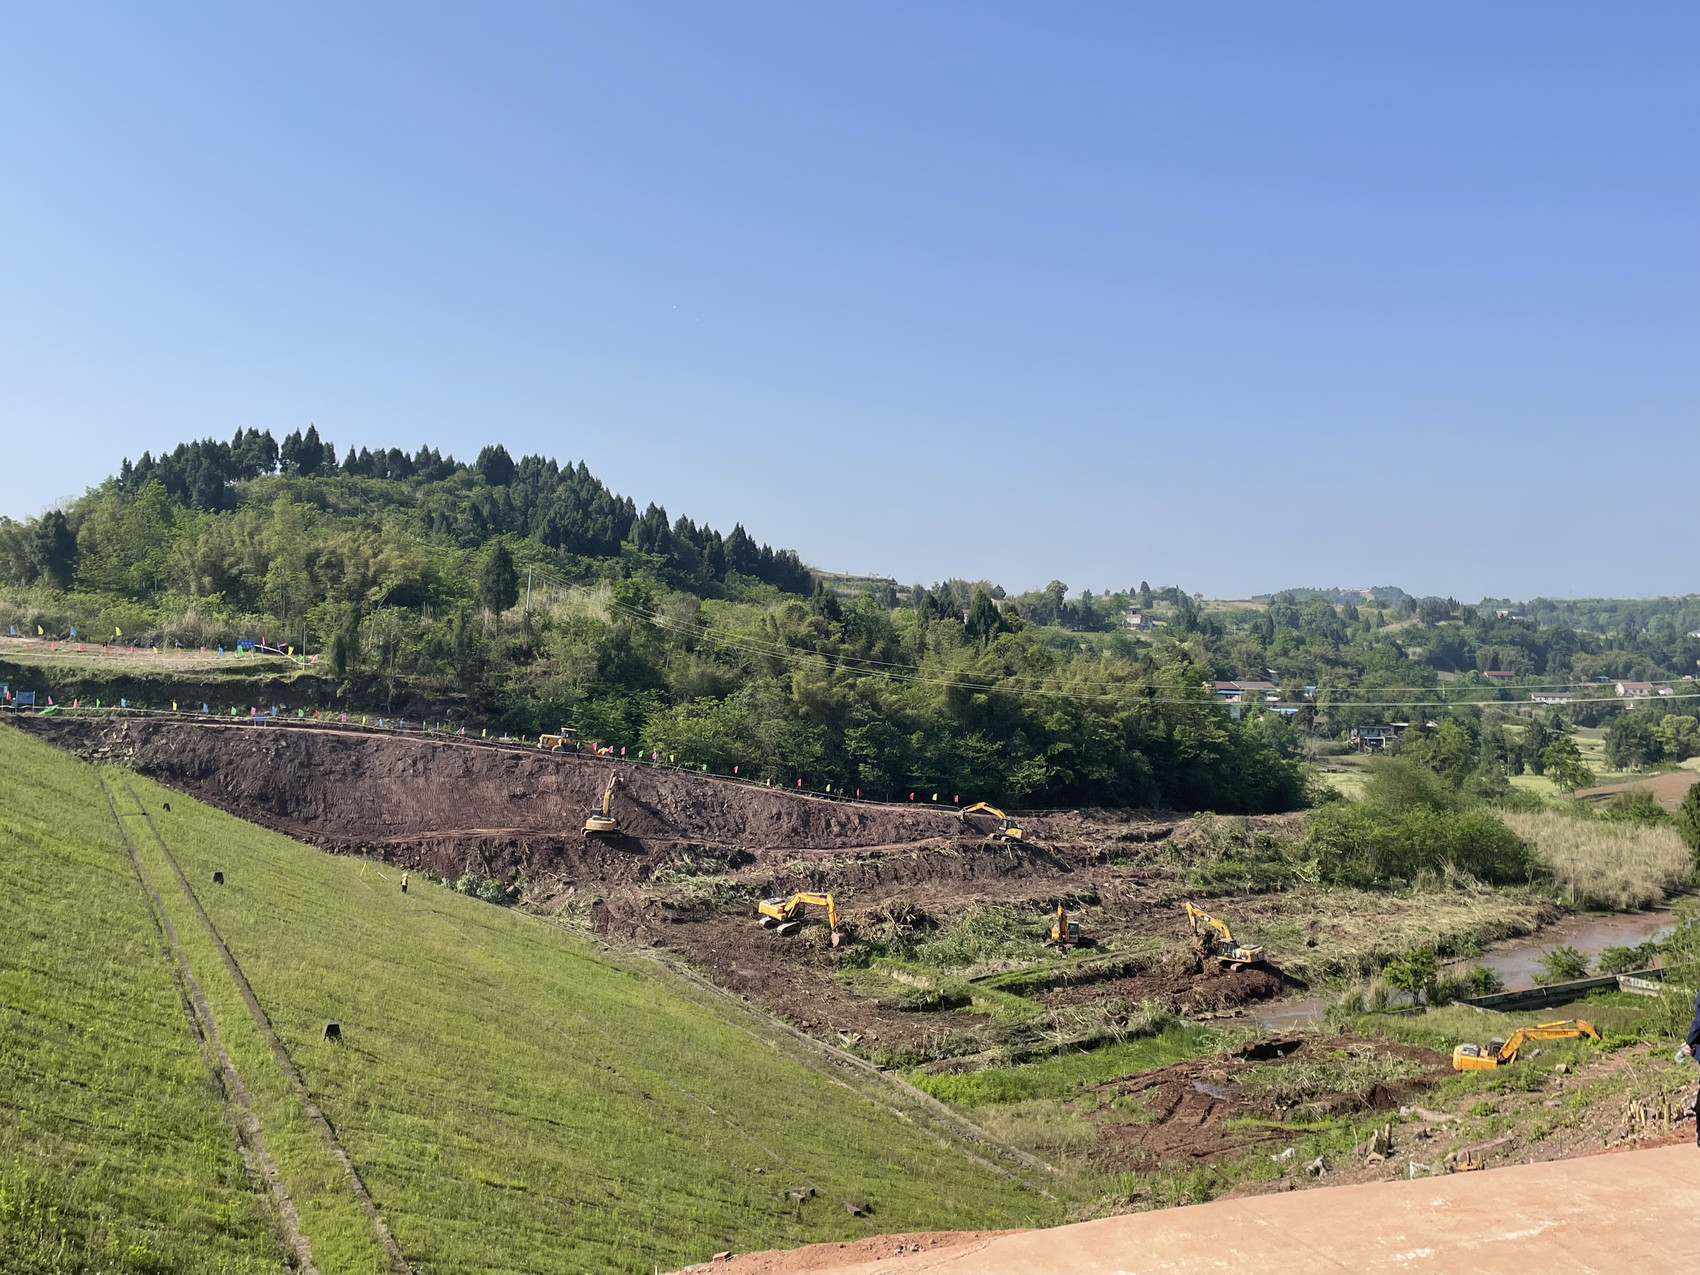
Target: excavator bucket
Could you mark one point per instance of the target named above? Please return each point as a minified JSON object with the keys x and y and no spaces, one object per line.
{"x":837,"y":938}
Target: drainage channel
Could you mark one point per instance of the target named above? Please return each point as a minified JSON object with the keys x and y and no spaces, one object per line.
{"x":246,"y":1124}
{"x":380,"y":1229}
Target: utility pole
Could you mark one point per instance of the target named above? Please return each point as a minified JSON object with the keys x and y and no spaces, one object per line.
{"x":528,"y":572}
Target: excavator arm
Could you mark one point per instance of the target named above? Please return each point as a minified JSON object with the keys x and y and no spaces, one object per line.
{"x":1228,"y":950}
{"x":601,"y":818}
{"x":1007,"y":829}
{"x":1482,"y":1058}
{"x":786,"y":914}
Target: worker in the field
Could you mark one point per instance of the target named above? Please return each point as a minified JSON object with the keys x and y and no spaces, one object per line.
{"x":404,"y":883}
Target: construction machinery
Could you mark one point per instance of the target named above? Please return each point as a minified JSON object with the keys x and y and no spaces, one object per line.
{"x":1224,"y":947}
{"x":567,"y":738}
{"x":1007,"y":829}
{"x":1502,"y":1053}
{"x":787,"y":915}
{"x":1064,"y":932}
{"x":601,"y":820}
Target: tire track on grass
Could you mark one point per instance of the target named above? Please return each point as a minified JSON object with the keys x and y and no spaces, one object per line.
{"x":285,"y":1064}
{"x":232,"y":1091}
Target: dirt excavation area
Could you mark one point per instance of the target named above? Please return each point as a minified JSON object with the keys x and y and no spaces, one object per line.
{"x":938,"y":916}
{"x":1127,"y":1057}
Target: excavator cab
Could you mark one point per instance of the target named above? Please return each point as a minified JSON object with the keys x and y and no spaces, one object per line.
{"x":1007,"y":829}
{"x":601,"y":820}
{"x":786,"y":915}
{"x":1064,"y":932}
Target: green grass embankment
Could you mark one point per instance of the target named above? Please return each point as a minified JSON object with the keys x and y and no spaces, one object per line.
{"x":114,"y":1154}
{"x":512,"y":1097}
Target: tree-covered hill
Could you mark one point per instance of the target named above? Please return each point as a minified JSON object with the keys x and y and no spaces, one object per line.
{"x":527,"y":594}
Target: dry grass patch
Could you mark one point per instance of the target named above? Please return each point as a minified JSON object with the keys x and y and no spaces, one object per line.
{"x":1611,"y":865}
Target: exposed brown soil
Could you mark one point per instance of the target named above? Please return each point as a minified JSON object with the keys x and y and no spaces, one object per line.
{"x":1192,"y":1111}
{"x":694,"y":853}
{"x":1668,"y":788}
{"x":825,"y":1257}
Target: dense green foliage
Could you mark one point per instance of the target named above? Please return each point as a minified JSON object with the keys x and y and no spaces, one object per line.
{"x":526,"y":594}
{"x":1409,"y":824}
{"x":1688,"y":818}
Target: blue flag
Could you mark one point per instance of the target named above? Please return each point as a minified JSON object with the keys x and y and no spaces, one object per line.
{"x":73,"y":630}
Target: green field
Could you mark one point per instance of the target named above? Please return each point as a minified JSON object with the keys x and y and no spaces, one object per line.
{"x":512,"y":1096}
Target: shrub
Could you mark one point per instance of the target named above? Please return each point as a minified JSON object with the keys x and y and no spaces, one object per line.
{"x":1399,"y":785}
{"x":1414,"y":972}
{"x":1478,"y":980}
{"x":1620,"y":960}
{"x":1635,"y":805}
{"x":1688,"y":818}
{"x":1365,"y":844}
{"x":482,"y":887}
{"x":1562,"y":964}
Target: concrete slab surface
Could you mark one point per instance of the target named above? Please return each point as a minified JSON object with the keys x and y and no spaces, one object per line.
{"x":1600,"y":1213}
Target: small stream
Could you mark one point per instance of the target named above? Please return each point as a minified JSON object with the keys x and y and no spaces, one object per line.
{"x":1516,"y":961}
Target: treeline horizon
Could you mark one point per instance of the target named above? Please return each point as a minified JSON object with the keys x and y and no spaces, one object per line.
{"x":408,"y":573}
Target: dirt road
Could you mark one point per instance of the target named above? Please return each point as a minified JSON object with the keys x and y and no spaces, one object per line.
{"x":1600,"y":1213}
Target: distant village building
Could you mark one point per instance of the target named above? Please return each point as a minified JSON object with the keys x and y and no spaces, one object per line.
{"x":1509,"y":615}
{"x":1238,"y":692}
{"x":1633,"y":691}
{"x":1499,"y":674}
{"x":1374,"y":739}
{"x":1133,"y":618}
{"x":1552,"y":697}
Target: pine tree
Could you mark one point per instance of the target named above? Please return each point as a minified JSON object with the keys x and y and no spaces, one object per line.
{"x":498,"y":584}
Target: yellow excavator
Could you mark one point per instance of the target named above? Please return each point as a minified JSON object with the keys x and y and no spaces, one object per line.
{"x":601,"y":820}
{"x":568,"y":737}
{"x":1224,"y":947}
{"x":1064,"y":932}
{"x":1007,"y":829}
{"x":787,"y":915}
{"x":1502,"y":1053}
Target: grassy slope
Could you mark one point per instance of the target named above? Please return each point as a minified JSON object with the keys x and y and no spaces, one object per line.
{"x":113,"y":1152}
{"x":512,"y":1097}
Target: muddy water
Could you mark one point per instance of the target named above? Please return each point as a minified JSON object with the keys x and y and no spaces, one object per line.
{"x":1516,"y":962}
{"x":1519,"y":961}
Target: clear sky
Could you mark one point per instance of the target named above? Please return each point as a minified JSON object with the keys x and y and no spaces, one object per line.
{"x":1236,"y":297}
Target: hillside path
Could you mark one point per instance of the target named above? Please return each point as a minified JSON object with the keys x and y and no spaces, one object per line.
{"x":1598,"y":1213}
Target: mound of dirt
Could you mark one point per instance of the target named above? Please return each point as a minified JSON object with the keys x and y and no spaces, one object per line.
{"x":1200,"y":1109}
{"x":352,"y":790}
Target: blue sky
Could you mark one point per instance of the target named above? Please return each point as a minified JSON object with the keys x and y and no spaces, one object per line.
{"x":1236,"y":297}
